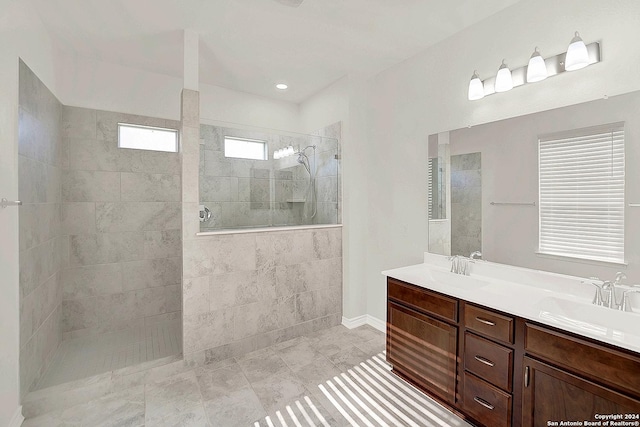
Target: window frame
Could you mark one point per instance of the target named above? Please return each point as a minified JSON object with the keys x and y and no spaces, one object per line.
{"x":156,"y":128}
{"x":265,"y":153}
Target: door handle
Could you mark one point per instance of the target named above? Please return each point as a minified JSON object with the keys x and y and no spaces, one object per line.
{"x":526,"y":376}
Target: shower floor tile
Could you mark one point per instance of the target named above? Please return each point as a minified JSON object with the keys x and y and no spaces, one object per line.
{"x":83,"y":357}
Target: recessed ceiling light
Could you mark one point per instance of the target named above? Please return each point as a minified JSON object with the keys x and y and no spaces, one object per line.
{"x":281,"y":86}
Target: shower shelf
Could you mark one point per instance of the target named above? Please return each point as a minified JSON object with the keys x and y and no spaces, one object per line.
{"x":296,"y":200}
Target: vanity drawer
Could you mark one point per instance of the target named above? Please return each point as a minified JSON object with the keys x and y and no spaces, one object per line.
{"x":489,"y":323}
{"x":486,"y":403}
{"x":597,"y":362}
{"x":488,"y":360}
{"x":423,"y":300}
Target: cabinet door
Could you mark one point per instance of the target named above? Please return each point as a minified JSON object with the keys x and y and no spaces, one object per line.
{"x":423,"y":349}
{"x":551,"y":394}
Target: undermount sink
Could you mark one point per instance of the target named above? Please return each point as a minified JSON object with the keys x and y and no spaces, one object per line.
{"x":456,"y":280}
{"x":584,"y":316}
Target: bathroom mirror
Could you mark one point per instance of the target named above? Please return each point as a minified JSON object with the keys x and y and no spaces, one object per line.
{"x":499,"y":183}
{"x":437,"y":186}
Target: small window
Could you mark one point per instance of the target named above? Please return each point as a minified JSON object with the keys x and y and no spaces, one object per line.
{"x":147,"y":138}
{"x":582,"y":193}
{"x":242,"y":148}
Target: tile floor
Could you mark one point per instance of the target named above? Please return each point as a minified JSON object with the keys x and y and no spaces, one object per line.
{"x":336,"y":377}
{"x":86,"y":356}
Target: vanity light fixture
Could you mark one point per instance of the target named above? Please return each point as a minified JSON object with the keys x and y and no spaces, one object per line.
{"x":577,"y":56}
{"x":476,"y":88}
{"x":504,"y":80}
{"x":537,"y":69}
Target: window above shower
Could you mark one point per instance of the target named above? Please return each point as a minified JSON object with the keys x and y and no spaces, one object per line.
{"x":256,"y":178}
{"x":242,"y":148}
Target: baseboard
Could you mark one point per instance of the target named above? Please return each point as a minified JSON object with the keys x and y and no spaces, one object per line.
{"x":17,"y":419}
{"x":380,"y":325}
{"x":365,"y":319}
{"x":355,"y":322}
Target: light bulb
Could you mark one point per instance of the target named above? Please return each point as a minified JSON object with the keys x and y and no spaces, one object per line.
{"x":476,"y":88}
{"x":504,"y":82}
{"x":577,"y":55}
{"x":537,"y":69}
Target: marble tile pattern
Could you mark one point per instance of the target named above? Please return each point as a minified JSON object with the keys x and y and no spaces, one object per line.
{"x":43,"y":251}
{"x":261,"y":193}
{"x":241,"y":391}
{"x":243,"y":292}
{"x":466,"y":204}
{"x":122,"y":218}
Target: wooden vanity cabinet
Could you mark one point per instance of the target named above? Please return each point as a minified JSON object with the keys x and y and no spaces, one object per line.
{"x":499,"y":370}
{"x":570,"y":378}
{"x":422,"y":338}
{"x":487,"y":356}
{"x":553,"y":394}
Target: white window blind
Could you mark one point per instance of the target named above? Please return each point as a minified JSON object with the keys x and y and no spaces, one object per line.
{"x":582,"y":193}
{"x":430,"y":189}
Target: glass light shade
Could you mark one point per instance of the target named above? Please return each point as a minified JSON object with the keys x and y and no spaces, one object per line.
{"x":536,"y":70}
{"x":476,"y":88}
{"x":577,"y":55}
{"x":504,"y":81}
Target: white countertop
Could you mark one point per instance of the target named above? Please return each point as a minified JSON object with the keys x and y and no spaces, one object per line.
{"x":551,"y":299}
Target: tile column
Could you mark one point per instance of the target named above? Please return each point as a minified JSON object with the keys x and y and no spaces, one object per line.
{"x":190,"y":159}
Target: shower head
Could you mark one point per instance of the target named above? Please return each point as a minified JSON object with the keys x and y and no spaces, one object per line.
{"x":304,"y":161}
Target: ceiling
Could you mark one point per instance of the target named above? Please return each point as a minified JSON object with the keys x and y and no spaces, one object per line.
{"x":249,"y":45}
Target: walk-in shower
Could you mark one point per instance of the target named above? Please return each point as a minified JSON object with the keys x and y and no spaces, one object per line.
{"x":261,"y":178}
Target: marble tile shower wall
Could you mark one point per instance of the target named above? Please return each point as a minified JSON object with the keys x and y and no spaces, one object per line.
{"x":122,"y":214}
{"x":244,"y":292}
{"x":253,"y":193}
{"x":466,"y":204}
{"x":41,"y":159}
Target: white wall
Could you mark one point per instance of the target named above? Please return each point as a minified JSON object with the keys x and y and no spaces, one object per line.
{"x":22,"y":35}
{"x":348,"y":100}
{"x":427,"y":94}
{"x":226,"y":105}
{"x":112,"y":87}
{"x":105,"y":86}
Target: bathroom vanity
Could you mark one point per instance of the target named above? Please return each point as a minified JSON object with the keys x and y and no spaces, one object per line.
{"x":501,"y":349}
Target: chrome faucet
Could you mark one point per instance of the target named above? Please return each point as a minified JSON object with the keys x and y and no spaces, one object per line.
{"x":613,"y":300}
{"x":460,"y":264}
{"x":609,"y":299}
{"x":475,"y":254}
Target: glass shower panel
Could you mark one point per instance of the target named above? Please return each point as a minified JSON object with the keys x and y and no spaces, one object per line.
{"x":296,"y":184}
